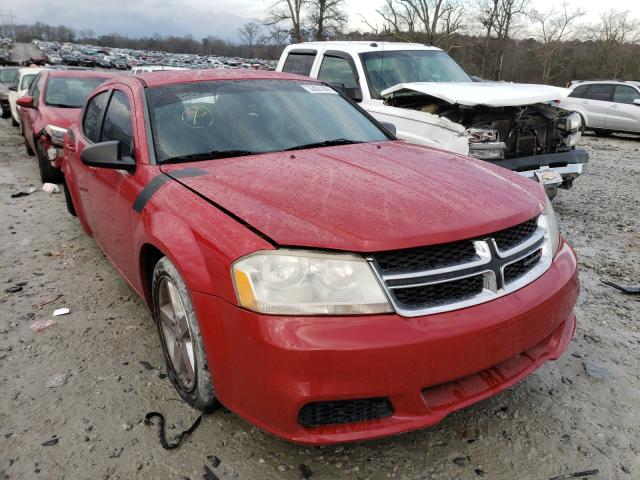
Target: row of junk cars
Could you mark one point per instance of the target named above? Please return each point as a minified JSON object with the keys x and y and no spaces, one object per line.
{"x":338,"y":276}
{"x":72,"y":54}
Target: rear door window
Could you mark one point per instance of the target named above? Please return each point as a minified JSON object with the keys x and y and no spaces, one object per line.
{"x":600,"y":91}
{"x":335,"y":70}
{"x":625,"y":94}
{"x":117,"y":123}
{"x":34,"y":89}
{"x":93,"y":116}
{"x":299,"y":63}
{"x":579,"y":92}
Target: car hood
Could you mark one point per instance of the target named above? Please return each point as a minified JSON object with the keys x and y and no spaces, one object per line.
{"x":364,"y":197}
{"x":61,"y":117}
{"x":491,"y":94}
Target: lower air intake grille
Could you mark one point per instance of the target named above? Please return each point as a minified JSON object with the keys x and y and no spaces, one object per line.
{"x":344,"y":411}
{"x":440,"y":293}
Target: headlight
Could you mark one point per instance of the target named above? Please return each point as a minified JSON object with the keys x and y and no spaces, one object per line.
{"x":571,"y":123}
{"x":548,"y":221}
{"x":294,"y":282}
{"x":56,"y":133}
{"x":572,"y":139}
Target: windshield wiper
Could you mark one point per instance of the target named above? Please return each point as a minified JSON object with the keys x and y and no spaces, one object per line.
{"x":325,"y":143}
{"x":215,"y":154}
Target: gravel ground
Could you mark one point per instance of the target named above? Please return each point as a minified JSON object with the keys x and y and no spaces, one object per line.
{"x":81,"y":382}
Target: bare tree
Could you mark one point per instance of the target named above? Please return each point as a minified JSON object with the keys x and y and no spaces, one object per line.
{"x":614,"y":29}
{"x":552,"y":29}
{"x":249,"y":33}
{"x":328,"y":18}
{"x":507,"y":14}
{"x":275,"y":36}
{"x":288,"y":12}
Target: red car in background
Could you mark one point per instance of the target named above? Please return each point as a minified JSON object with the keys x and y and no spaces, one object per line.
{"x":317,"y":277}
{"x":50,"y":106}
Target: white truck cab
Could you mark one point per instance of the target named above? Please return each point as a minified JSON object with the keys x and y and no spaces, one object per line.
{"x":429,"y":100}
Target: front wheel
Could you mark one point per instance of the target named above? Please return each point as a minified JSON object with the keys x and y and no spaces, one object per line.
{"x":179,"y":332}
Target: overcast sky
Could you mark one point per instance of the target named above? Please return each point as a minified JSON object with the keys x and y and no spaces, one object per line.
{"x":201,"y":18}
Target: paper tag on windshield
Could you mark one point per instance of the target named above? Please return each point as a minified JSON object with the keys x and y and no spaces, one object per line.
{"x":311,"y":88}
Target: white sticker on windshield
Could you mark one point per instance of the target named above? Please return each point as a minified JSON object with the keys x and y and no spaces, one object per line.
{"x":312,"y":88}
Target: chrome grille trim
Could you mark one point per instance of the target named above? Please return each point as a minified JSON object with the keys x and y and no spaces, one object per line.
{"x":490,"y":266}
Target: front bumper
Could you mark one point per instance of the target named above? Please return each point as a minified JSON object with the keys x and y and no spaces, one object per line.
{"x":266,"y":368}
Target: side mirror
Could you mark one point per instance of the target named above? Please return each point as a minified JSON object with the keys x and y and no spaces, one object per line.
{"x":636,"y":101}
{"x":107,"y":155}
{"x":26,"y":102}
{"x":13,"y":88}
{"x":354,"y":94}
{"x":389,"y":127}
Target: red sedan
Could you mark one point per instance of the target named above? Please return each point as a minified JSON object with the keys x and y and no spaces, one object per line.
{"x":319,"y":278}
{"x":52,"y":103}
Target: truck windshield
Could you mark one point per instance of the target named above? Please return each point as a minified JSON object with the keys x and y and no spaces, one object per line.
{"x":228,"y":118}
{"x":386,"y":69}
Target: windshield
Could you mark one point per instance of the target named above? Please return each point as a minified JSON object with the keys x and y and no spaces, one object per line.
{"x":8,"y":75}
{"x":215,"y":119}
{"x":26,"y":81}
{"x":70,"y":92}
{"x":386,"y":69}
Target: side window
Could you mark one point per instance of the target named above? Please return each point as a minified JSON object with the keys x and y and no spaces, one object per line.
{"x":625,"y":94}
{"x":299,"y":63}
{"x":34,"y":89}
{"x":579,"y":92}
{"x":337,"y":70}
{"x":600,"y":91}
{"x":117,"y":123}
{"x":93,"y":115}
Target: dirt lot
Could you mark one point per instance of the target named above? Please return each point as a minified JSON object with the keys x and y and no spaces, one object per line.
{"x":577,"y":414}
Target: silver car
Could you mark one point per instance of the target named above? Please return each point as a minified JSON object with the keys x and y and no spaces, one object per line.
{"x":606,"y":106}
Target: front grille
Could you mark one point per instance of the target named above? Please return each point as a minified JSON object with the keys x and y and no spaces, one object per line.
{"x":439,"y":278}
{"x":517,"y":269}
{"x":423,"y":258}
{"x":511,"y":237}
{"x":344,"y":411}
{"x":440,"y":293}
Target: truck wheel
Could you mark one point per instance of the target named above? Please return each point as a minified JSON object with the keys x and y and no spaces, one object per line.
{"x":68,"y":200}
{"x":602,"y":133}
{"x":48,"y":174}
{"x":179,"y":332}
{"x":27,"y":147}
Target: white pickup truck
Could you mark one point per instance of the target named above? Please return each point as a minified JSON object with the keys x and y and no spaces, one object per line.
{"x":423,"y":96}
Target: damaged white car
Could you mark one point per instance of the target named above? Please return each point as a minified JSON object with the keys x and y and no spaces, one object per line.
{"x":425,"y":97}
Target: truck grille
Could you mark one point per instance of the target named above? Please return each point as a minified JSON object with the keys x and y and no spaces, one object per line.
{"x":439,"y":278}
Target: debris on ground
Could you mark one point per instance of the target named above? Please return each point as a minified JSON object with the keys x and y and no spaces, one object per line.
{"x":146,"y":364}
{"x":50,"y":188}
{"x":24,"y":193}
{"x":15,"y":288}
{"x":627,"y":290}
{"x":305,"y":471}
{"x":50,"y":443}
{"x":181,"y":436}
{"x":60,"y":311}
{"x":42,"y":325}
{"x":597,"y":372}
{"x":568,"y":476}
{"x":57,"y":380}
{"x":208,"y":474}
{"x":215,"y":461}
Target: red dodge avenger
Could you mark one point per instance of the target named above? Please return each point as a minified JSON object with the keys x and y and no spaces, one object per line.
{"x":321,"y":279}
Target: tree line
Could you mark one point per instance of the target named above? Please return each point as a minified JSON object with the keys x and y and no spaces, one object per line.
{"x":493,"y":39}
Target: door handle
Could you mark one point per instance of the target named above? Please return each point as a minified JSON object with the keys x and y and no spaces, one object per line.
{"x":70,"y":147}
{"x":614,"y":106}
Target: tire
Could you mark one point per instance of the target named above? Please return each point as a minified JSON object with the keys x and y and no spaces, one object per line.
{"x":27,"y":147}
{"x":197,"y":390}
{"x":48,"y":174}
{"x":602,"y":133}
{"x":68,"y":200}
{"x":13,"y":122}
{"x":6,"y":113}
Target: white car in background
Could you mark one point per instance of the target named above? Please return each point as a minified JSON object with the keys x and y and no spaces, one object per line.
{"x":19,"y":89}
{"x":423,"y":96}
{"x":606,"y":106}
{"x":154,"y":68}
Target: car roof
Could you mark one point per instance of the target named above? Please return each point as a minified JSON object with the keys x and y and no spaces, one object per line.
{"x":80,"y":73}
{"x":577,"y":83}
{"x":171,"y":77}
{"x":361,"y":47}
{"x":27,"y":70}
